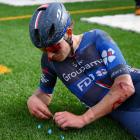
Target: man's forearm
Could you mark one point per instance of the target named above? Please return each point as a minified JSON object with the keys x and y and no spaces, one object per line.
{"x":115,"y":97}
{"x":104,"y":107}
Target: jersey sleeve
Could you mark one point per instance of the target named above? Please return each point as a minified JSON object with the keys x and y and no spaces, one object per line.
{"x":111,"y":54}
{"x":48,"y":76}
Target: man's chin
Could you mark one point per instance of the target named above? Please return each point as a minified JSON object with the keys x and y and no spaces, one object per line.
{"x":58,"y":59}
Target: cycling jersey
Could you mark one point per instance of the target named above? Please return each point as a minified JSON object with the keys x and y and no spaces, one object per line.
{"x":90,"y":73}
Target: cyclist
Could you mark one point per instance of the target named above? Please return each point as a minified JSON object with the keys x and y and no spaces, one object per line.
{"x":90,"y":65}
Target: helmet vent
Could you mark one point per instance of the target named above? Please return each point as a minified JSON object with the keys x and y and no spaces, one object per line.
{"x":43,"y":7}
{"x":51,"y":31}
{"x":37,"y":36}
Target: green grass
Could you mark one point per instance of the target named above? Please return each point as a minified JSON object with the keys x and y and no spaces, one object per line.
{"x":17,"y":52}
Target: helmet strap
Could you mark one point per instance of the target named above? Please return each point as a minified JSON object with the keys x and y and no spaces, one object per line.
{"x":70,"y":41}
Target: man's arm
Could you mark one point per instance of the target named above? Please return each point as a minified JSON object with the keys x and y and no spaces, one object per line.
{"x":120,"y":91}
{"x":38,"y":104}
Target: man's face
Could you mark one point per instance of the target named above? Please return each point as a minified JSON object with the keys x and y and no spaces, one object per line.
{"x":58,"y":52}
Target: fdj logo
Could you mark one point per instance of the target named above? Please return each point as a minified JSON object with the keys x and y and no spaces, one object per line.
{"x":85,"y":83}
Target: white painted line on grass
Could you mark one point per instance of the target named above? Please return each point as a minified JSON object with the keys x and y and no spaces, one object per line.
{"x":129,"y":22}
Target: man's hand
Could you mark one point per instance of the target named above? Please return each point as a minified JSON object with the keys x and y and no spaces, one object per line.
{"x":37,"y":107}
{"x":66,"y":119}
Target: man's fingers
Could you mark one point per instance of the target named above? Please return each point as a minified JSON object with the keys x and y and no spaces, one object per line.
{"x":44,"y":110}
{"x":65,"y":125}
{"x":56,"y":118}
{"x":60,"y":122}
{"x":58,"y":115}
{"x":38,"y":108}
{"x":39,"y":114}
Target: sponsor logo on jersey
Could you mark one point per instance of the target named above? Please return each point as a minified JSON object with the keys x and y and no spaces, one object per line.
{"x":81,"y":69}
{"x":121,"y":70}
{"x":101,"y":72}
{"x":108,"y":56}
{"x":78,"y":63}
{"x":44,"y":79}
{"x":86,"y":82}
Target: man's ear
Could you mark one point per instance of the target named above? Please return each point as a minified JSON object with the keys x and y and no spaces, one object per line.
{"x":69,"y":31}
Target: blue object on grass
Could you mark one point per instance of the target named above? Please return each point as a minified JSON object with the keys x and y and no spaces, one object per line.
{"x":39,"y":126}
{"x":62,"y":137}
{"x":49,"y":131}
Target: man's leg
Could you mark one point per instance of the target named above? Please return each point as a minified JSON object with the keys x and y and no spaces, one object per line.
{"x":130,"y":120}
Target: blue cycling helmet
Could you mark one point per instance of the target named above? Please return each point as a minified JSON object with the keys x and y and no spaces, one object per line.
{"x":49,"y":24}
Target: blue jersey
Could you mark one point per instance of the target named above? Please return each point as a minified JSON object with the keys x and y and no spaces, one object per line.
{"x":91,"y":72}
